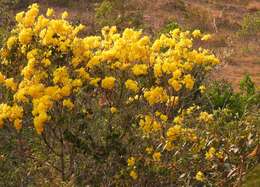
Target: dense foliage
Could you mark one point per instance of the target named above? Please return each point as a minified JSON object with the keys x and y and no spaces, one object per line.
{"x":118,"y":109}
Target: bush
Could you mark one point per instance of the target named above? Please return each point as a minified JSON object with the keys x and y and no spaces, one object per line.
{"x":116,"y":109}
{"x":221,"y":95}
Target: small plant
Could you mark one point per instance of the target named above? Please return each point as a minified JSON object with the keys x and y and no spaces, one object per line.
{"x":103,"y":11}
{"x":250,"y":25}
{"x":221,"y":95}
{"x":171,"y":25}
{"x":118,"y":12}
{"x":247,"y":86}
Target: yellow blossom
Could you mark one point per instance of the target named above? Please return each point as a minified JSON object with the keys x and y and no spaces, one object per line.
{"x":131,"y":85}
{"x":39,"y":122}
{"x":108,"y":83}
{"x":148,"y":125}
{"x":18,"y":124}
{"x":202,"y":89}
{"x":156,"y":95}
{"x":206,"y":37}
{"x":139,"y":69}
{"x":19,"y":17}
{"x":25,"y":36}
{"x":131,"y":161}
{"x":66,"y":90}
{"x":11,"y":84}
{"x":196,"y":33}
{"x":2,"y":78}
{"x":64,"y":15}
{"x":133,"y":174}
{"x":157,"y":113}
{"x":188,"y":81}
{"x":175,"y":84}
{"x":149,"y":150}
{"x":95,"y":81}
{"x":177,"y":74}
{"x":35,"y":90}
{"x":46,"y":62}
{"x":68,"y":104}
{"x":178,"y":120}
{"x":210,"y":154}
{"x":113,"y":110}
{"x":49,"y":12}
{"x":174,"y":132}
{"x":205,"y":117}
{"x":156,"y":156}
{"x":200,"y":176}
{"x":220,"y":154}
{"x":164,"y":117}
{"x":76,"y":83}
{"x":169,"y":146}
{"x":11,"y":41}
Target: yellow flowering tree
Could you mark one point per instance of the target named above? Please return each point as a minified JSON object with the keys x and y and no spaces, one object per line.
{"x":115,"y":102}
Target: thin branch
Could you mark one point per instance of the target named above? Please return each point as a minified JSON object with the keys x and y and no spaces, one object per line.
{"x":48,"y":145}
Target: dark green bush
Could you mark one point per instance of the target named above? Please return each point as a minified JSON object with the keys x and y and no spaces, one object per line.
{"x":171,"y":25}
{"x":221,"y":95}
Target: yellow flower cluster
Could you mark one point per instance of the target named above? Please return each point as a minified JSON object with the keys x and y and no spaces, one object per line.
{"x":156,"y":156}
{"x":131,"y":161}
{"x":131,"y":164}
{"x":163,"y":117}
{"x":212,"y":152}
{"x":9,"y":83}
{"x":148,"y":124}
{"x":131,"y":85}
{"x":13,"y":114}
{"x":174,"y":132}
{"x":68,"y":104}
{"x":108,"y":83}
{"x":140,"y":69}
{"x":55,"y":63}
{"x":156,"y":95}
{"x":200,"y":176}
{"x":205,"y":117}
{"x":133,"y":174}
{"x":113,"y":110}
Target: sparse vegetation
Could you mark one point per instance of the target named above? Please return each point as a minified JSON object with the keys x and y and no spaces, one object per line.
{"x":250,"y":25}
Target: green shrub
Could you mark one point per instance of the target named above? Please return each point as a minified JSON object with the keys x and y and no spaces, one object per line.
{"x":221,"y":95}
{"x":171,"y":25}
